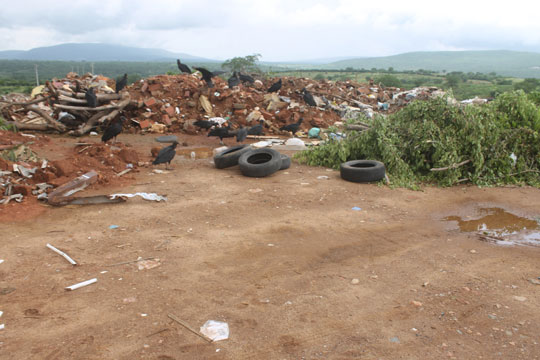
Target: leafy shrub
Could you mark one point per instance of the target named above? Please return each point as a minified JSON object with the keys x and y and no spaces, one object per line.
{"x":436,"y":134}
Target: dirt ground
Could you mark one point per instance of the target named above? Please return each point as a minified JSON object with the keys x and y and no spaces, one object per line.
{"x":276,"y":259}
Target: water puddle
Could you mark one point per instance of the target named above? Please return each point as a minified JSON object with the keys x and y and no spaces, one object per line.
{"x":195,"y":153}
{"x":501,"y":227}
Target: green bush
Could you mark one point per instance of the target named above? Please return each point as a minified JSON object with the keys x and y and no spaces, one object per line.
{"x":435,"y":134}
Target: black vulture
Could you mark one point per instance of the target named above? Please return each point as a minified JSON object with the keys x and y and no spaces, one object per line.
{"x":183,"y":67}
{"x":275,"y":86}
{"x":113,"y":130}
{"x":204,"y":124}
{"x":308,"y":98}
{"x":91,"y":98}
{"x":256,"y":129}
{"x":206,"y":75}
{"x":241,"y":134}
{"x":233,"y":80}
{"x":292,"y":127}
{"x":246,"y":78}
{"x":166,"y":155}
{"x":221,"y":132}
{"x":121,"y":83}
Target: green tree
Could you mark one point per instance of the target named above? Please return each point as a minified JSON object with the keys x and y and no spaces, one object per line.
{"x":245,"y":63}
{"x":453,"y":80}
{"x":388,"y":80}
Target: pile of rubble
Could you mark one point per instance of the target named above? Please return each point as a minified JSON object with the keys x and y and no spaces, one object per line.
{"x":172,"y":103}
{"x":23,"y":173}
{"x":61,"y":105}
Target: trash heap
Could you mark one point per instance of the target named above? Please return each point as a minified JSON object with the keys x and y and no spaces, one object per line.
{"x":172,"y":103}
{"x":60,"y":105}
{"x":23,"y":173}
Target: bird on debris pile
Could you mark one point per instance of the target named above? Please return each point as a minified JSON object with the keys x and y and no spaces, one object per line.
{"x":233,"y":80}
{"x":204,"y":124}
{"x":275,"y":87}
{"x":292,"y":127}
{"x":246,"y":78}
{"x":308,"y":98}
{"x":113,"y":130}
{"x":206,"y":75}
{"x":241,"y":134}
{"x":121,"y":83}
{"x":221,"y":132}
{"x":256,"y":129}
{"x":183,"y":67}
{"x":166,"y":155}
{"x":91,"y":98}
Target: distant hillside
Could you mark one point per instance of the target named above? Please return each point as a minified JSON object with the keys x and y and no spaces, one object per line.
{"x":97,"y":52}
{"x":508,"y":63}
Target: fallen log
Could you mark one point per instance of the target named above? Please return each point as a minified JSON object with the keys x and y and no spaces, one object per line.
{"x":98,"y":108}
{"x":102,"y":116}
{"x":50,"y":121}
{"x":28,"y":126}
{"x":100,"y":97}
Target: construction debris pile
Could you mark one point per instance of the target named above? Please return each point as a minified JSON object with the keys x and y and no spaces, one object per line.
{"x":172,"y":103}
{"x":23,"y":173}
{"x":62,"y":105}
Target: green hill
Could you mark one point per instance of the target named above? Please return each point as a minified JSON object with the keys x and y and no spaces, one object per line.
{"x":502,"y":62}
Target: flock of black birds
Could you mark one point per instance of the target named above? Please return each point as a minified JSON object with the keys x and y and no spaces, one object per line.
{"x":166,"y":154}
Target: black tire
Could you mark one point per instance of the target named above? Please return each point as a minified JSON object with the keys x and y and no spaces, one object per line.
{"x":260,"y":162}
{"x":230,"y":156}
{"x":360,"y":171}
{"x":285,"y":162}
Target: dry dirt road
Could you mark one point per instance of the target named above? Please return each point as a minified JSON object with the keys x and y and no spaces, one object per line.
{"x":276,"y":259}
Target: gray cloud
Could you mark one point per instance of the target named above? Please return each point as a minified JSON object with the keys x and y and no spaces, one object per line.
{"x":278,"y":29}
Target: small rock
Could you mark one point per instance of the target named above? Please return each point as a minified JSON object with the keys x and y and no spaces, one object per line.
{"x":416,"y":303}
{"x":509,"y":333}
{"x":355,"y":281}
{"x":472,"y":251}
{"x":520,"y":298}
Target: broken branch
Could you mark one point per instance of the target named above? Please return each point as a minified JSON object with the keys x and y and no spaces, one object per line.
{"x":453,"y":166}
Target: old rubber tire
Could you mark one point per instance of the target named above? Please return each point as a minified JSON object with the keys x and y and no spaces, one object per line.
{"x":230,"y":156}
{"x":285,"y":162}
{"x":360,"y":171}
{"x":260,"y":162}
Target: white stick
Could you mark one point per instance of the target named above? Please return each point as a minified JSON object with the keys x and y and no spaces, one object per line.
{"x":66,"y":256}
{"x":81,"y":284}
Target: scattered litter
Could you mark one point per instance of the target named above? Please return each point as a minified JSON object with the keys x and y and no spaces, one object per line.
{"x":145,"y":196}
{"x":103,"y":272}
{"x":66,"y":256}
{"x":322,"y":177}
{"x":158,"y":171}
{"x":1,"y":261}
{"x":1,"y":326}
{"x":112,"y":227}
{"x":215,"y":330}
{"x":144,"y":315}
{"x":261,"y":144}
{"x":129,"y":300}
{"x":271,"y":245}
{"x":148,"y":264}
{"x":534,"y":281}
{"x":355,"y":281}
{"x":416,"y":303}
{"x":394,"y":339}
{"x":81,"y":284}
{"x":356,"y":208}
{"x":255,"y":190}
{"x":184,"y":324}
{"x":520,"y":298}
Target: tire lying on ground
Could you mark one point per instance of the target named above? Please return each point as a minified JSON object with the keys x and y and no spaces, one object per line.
{"x":360,"y":171}
{"x":230,"y":156}
{"x":285,"y":162}
{"x":260,"y":162}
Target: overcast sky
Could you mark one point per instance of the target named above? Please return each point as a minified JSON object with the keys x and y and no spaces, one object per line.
{"x":278,"y":29}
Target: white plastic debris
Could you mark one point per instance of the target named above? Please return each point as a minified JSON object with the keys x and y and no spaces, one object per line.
{"x":1,"y":261}
{"x":59,"y":252}
{"x":145,"y":196}
{"x":1,"y":326}
{"x":215,"y":330}
{"x":93,"y":133}
{"x":261,"y":144}
{"x":219,"y":120}
{"x":295,"y":141}
{"x":81,"y":284}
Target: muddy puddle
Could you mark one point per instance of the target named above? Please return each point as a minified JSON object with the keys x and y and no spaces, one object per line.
{"x":195,"y":153}
{"x":498,"y":226}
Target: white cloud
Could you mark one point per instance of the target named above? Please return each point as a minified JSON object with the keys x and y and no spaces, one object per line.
{"x":278,"y":29}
